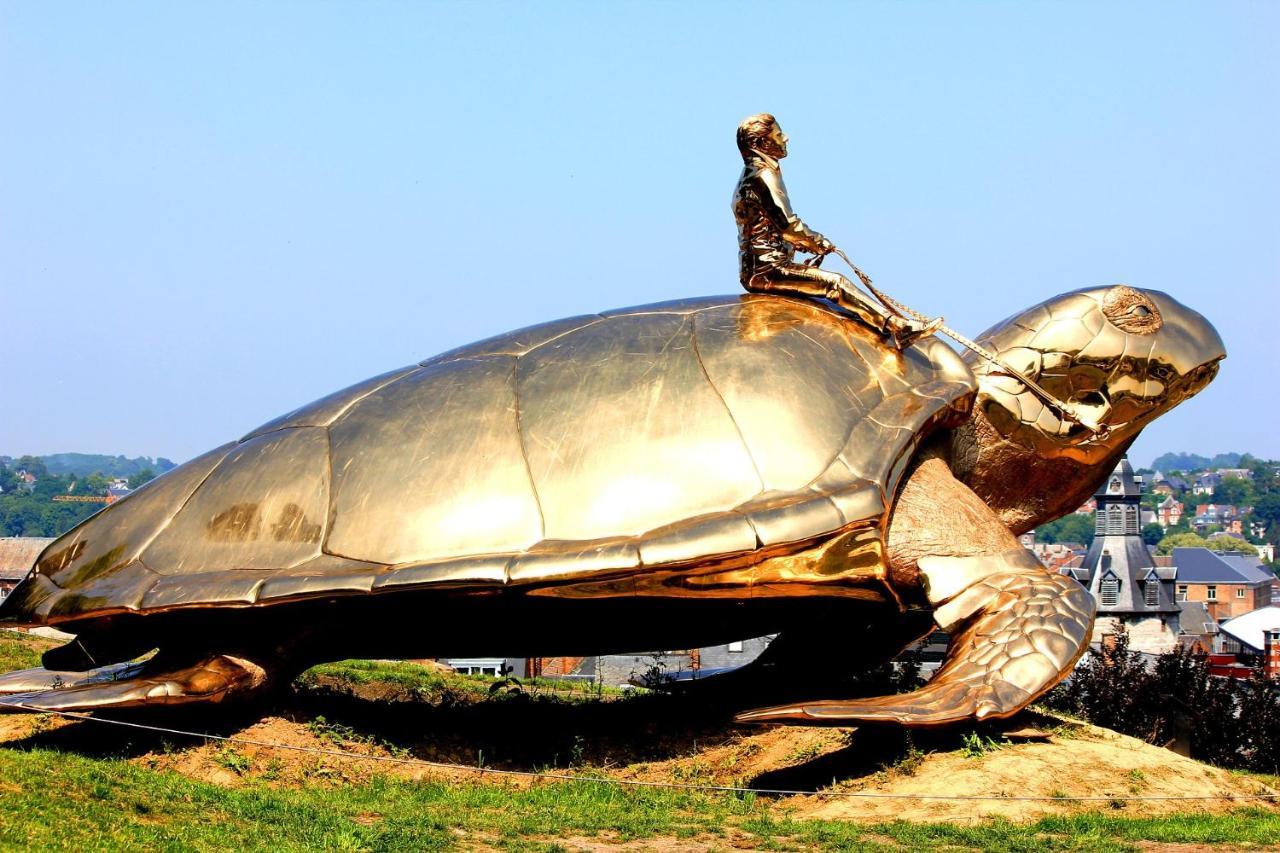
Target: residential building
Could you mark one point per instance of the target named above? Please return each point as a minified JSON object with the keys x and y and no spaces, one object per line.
{"x":1197,"y":630}
{"x":1219,"y":515}
{"x":1206,"y":482}
{"x":1238,"y":473}
{"x":17,"y":555}
{"x":1247,"y":634}
{"x":1169,"y":513}
{"x":1087,"y":508}
{"x":642,"y":667}
{"x":1230,"y":585}
{"x":1132,"y":592}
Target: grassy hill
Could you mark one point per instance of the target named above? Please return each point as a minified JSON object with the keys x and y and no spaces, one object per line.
{"x":79,"y":784}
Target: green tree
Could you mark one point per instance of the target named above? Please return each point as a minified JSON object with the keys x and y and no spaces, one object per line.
{"x":1236,"y":491}
{"x":1267,"y":508}
{"x":32,"y":465}
{"x":1070,"y":528}
{"x":1180,"y":540}
{"x":1152,"y":533}
{"x":146,"y":475}
{"x":1221,"y":545}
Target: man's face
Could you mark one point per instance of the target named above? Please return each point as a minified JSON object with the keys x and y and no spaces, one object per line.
{"x":776,"y":142}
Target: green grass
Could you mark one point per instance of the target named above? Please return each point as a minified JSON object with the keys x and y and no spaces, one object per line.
{"x":58,"y":800}
{"x":423,"y":682}
{"x":21,"y":651}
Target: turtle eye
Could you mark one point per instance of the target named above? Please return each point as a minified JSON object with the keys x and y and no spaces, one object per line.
{"x":1131,"y":311}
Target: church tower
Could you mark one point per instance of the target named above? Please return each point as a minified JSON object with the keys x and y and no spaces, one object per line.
{"x":1130,"y":589}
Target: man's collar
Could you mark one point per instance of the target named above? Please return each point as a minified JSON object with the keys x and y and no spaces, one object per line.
{"x":769,"y":162}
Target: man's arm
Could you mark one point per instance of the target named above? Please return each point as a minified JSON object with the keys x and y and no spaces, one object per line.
{"x":777,"y":204}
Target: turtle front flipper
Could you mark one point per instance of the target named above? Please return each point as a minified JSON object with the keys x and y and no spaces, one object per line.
{"x":1017,"y":630}
{"x":130,"y":686}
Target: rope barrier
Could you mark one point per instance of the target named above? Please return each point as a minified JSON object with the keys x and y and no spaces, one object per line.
{"x":636,"y":783}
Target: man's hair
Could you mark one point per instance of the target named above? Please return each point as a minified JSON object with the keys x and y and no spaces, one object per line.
{"x":753,"y":129}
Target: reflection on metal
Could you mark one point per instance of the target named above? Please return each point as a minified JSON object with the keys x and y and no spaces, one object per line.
{"x":668,"y":476}
{"x":770,"y":233}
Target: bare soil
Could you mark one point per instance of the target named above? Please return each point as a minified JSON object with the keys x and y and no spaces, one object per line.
{"x":663,"y":739}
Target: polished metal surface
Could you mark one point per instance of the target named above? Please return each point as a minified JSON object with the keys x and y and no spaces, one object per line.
{"x":661,"y":435}
{"x":742,"y":452}
{"x":1107,"y":351}
{"x":770,"y":233}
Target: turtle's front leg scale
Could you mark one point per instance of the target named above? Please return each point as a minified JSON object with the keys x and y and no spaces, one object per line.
{"x":1017,"y":630}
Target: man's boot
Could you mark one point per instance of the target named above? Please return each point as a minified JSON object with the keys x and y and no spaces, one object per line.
{"x":904,"y":331}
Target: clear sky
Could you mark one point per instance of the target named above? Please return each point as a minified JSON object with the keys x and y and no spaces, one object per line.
{"x":212,"y":213}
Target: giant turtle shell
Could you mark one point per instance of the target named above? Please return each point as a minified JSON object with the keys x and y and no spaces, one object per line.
{"x":653,"y":437}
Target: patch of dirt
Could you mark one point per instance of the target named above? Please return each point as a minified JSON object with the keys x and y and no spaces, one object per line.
{"x":1088,"y":762}
{"x":661,"y":739}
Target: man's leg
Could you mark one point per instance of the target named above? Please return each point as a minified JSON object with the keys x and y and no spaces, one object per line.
{"x":824,"y":284}
{"x":814,"y":281}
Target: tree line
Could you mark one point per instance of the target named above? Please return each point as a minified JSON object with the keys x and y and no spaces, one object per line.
{"x":30,"y":509}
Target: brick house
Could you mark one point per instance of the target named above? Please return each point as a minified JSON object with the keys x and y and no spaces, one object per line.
{"x":1169,"y":513}
{"x":1218,"y":514}
{"x":1230,"y":585}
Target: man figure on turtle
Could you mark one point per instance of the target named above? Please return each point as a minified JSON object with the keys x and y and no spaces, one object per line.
{"x":769,"y":233}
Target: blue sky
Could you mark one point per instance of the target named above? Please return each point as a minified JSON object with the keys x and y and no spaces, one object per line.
{"x":210,"y":214}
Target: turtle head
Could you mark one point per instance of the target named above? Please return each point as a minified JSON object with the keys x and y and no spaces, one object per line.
{"x":1117,"y":357}
{"x":1113,"y":358}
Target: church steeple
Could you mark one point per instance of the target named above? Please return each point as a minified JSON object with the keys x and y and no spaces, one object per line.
{"x":1118,"y":569}
{"x":1119,"y":503}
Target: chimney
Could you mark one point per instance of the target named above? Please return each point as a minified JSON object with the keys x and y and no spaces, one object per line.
{"x":1271,"y":654}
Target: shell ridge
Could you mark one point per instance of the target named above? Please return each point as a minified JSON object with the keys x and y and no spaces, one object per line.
{"x":352,"y":404}
{"x":697,"y":355}
{"x":524,"y":453}
{"x":838,"y":454}
{"x":598,"y":319}
{"x":330,"y":493}
{"x":162,"y":528}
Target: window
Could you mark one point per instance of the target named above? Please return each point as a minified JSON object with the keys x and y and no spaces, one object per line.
{"x":1130,"y":519}
{"x":1211,"y":593}
{"x":1151,"y":593}
{"x":1110,"y":591}
{"x":1115,"y":519}
{"x":1182,"y":592}
{"x":1239,"y":592}
{"x":736,"y":647}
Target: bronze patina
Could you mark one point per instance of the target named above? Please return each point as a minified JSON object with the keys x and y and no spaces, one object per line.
{"x":668,"y":476}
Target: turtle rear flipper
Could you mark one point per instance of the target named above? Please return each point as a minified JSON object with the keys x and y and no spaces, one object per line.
{"x":130,"y":686}
{"x":1015,"y":634}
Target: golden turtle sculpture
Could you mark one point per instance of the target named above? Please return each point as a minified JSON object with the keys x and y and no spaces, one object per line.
{"x":668,"y":476}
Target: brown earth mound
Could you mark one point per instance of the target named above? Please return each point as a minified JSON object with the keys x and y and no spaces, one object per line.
{"x":658,"y":739}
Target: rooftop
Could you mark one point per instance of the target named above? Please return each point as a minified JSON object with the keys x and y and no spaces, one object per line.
{"x":1200,"y":565}
{"x":1249,"y":628}
{"x":18,"y":554}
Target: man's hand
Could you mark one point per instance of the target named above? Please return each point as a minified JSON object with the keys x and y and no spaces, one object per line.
{"x":822,"y":246}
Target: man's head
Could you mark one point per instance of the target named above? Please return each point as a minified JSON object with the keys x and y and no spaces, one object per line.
{"x":761,"y":133}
